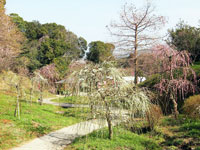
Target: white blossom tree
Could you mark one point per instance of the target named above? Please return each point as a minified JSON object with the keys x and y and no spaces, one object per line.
{"x":110,"y":96}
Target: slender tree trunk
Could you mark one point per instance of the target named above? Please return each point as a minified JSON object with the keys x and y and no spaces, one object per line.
{"x":92,"y":111}
{"x":31,"y":93}
{"x":108,"y":117}
{"x":17,"y":109}
{"x":171,"y":72}
{"x":41,"y":94}
{"x":135,"y":55}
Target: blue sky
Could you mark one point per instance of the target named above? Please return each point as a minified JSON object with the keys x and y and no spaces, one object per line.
{"x":88,"y":18}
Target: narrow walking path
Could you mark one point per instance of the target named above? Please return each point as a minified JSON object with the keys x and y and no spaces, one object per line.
{"x":64,"y":105}
{"x":59,"y":139}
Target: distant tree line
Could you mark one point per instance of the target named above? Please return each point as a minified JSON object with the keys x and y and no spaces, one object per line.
{"x":186,"y":37}
{"x":51,"y":43}
{"x":28,"y":47}
{"x":48,"y":43}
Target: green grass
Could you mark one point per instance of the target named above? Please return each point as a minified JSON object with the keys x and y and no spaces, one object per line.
{"x":122,"y":139}
{"x":191,"y":129}
{"x":72,"y":100}
{"x":188,"y":127}
{"x":170,"y":134}
{"x":196,"y":67}
{"x":35,"y":120}
{"x":183,"y":133}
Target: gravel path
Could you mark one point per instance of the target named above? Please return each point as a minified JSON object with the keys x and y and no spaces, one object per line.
{"x":59,"y":139}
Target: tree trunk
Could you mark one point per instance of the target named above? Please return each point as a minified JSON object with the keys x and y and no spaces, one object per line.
{"x":136,"y":71}
{"x":135,"y":55}
{"x":92,"y":110}
{"x":17,"y":109}
{"x":108,"y":117}
{"x":31,"y":92}
{"x":175,"y":107}
{"x":41,"y":94}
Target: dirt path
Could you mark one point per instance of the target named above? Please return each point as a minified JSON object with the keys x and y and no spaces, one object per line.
{"x":59,"y":139}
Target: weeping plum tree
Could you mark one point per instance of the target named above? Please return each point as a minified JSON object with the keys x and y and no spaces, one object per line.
{"x":50,"y":73}
{"x":110,"y":96}
{"x":178,"y":79}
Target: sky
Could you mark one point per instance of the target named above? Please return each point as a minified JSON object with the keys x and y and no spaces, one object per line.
{"x":89,"y":18}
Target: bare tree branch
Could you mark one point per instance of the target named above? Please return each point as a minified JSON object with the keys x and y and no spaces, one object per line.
{"x":136,"y":29}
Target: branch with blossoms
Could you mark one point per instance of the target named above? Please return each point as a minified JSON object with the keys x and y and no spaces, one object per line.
{"x":178,"y":80}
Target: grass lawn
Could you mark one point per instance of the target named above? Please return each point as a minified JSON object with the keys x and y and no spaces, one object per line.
{"x":169,"y":134}
{"x":122,"y":140}
{"x":72,"y":100}
{"x":35,"y":120}
{"x":183,"y":133}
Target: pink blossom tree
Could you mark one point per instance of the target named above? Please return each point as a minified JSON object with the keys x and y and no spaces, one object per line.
{"x":50,"y":73}
{"x":177,"y":77}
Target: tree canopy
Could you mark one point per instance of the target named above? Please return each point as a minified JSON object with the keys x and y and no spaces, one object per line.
{"x":48,"y":43}
{"x":136,"y":30}
{"x":99,"y":51}
{"x":185,"y":37}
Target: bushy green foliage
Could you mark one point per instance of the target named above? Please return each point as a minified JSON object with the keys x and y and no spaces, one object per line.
{"x":34,"y":30}
{"x":62,"y":65}
{"x":192,"y":106}
{"x":151,"y":81}
{"x":51,"y":49}
{"x":99,"y":51}
{"x":186,"y":37}
{"x":48,"y":43}
{"x":19,"y":21}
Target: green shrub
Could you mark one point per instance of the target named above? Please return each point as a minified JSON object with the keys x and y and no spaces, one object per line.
{"x":151,"y":81}
{"x":192,"y":106}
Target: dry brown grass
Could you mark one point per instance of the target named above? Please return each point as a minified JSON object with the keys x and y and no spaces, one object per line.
{"x":192,"y":106}
{"x":153,"y":116}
